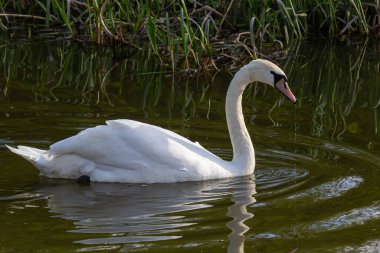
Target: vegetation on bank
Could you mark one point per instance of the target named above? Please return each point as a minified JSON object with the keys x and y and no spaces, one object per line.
{"x":191,"y":34}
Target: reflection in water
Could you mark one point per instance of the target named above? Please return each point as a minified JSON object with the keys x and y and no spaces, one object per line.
{"x":94,"y":75}
{"x":242,"y":196}
{"x":329,"y":82}
{"x":147,"y":213}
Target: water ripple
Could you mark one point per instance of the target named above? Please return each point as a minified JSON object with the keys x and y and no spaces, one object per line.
{"x":126,"y":239}
{"x":331,"y":189}
{"x":289,"y":184}
{"x":372,"y":246}
{"x":357,"y":216}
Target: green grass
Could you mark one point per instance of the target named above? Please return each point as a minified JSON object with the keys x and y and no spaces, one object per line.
{"x":191,"y":34}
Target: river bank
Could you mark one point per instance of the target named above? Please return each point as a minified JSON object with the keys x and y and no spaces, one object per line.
{"x":190,"y":35}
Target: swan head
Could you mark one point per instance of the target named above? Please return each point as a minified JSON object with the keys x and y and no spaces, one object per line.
{"x":267,"y":72}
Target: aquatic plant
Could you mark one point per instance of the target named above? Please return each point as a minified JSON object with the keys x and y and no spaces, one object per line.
{"x":189,"y":34}
{"x":99,"y":75}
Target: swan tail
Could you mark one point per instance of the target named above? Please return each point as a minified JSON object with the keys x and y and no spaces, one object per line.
{"x":55,"y":166}
{"x":36,"y":156}
{"x":30,"y":154}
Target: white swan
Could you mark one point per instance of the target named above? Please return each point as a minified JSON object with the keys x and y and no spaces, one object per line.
{"x":134,"y":152}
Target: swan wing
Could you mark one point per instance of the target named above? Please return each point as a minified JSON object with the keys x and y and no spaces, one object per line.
{"x":132,"y":145}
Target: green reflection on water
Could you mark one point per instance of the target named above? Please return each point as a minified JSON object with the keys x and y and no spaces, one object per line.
{"x":317,"y":170}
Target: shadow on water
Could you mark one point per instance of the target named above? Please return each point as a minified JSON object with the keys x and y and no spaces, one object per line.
{"x":316,"y":182}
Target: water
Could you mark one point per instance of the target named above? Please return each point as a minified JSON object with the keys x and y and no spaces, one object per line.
{"x":316,"y":185}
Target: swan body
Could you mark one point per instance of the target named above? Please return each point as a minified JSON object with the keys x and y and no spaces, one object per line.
{"x":128,"y":151}
{"x":134,"y":152}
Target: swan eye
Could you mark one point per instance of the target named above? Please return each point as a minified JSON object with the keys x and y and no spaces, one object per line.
{"x":278,"y":77}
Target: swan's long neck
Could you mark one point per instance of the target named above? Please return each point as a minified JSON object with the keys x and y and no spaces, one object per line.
{"x":243,"y":152}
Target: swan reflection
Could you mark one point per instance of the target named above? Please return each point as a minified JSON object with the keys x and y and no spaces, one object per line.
{"x":115,"y":214}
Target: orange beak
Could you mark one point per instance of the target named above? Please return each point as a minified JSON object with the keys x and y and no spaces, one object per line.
{"x":283,"y":87}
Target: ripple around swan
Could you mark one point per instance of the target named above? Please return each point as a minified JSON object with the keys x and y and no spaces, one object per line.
{"x":289,"y":184}
{"x":277,"y":174}
{"x":126,"y":239}
{"x":307,"y":199}
{"x":357,"y":216}
{"x":330,"y":189}
{"x":21,"y":196}
{"x":372,"y":246}
{"x":120,"y":213}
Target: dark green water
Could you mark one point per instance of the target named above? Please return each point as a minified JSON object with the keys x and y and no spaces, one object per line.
{"x":316,"y":186}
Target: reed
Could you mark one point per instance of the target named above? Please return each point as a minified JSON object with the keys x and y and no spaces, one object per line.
{"x":333,"y":86}
{"x":335,"y":107}
{"x":191,"y":34}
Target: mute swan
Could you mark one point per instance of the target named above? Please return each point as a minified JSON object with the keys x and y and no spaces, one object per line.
{"x":134,"y":152}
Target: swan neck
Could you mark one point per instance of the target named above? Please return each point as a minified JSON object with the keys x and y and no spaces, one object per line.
{"x":243,"y":152}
